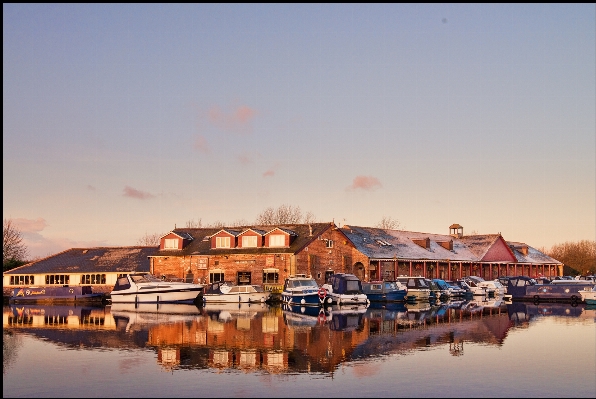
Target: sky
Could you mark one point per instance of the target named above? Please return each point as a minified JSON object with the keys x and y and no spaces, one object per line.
{"x":126,"y":120}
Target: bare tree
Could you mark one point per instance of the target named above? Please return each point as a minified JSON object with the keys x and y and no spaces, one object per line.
{"x":387,"y":222}
{"x":14,"y":251}
{"x":309,"y":218}
{"x":266,"y":217}
{"x":149,"y":240}
{"x":580,"y":255}
{"x":284,"y":214}
{"x":238,"y":222}
{"x":191,"y":224}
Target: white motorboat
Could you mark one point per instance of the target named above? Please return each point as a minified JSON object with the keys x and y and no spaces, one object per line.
{"x":146,"y":288}
{"x":227,"y":292}
{"x":418,"y":287}
{"x":588,"y":295}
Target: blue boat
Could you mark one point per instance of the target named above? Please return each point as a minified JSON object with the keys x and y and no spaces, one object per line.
{"x":524,"y":288}
{"x":56,"y":294}
{"x":384,"y":291}
{"x":303,"y":290}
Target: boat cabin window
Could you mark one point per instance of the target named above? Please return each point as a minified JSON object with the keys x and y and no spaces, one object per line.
{"x":122,"y":284}
{"x":352,"y":287}
{"x":328,"y":274}
{"x":376,"y":287}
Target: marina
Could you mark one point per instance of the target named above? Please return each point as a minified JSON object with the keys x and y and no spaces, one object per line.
{"x":347,"y":349}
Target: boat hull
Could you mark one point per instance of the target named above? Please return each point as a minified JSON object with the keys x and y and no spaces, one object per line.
{"x":74,"y":294}
{"x":157,"y":296}
{"x":379,"y":292}
{"x":545,"y":292}
{"x":250,"y":297}
{"x":304,"y":299}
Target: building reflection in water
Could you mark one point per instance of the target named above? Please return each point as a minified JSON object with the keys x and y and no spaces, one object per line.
{"x":278,"y":339}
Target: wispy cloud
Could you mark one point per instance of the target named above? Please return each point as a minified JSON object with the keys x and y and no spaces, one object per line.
{"x":29,"y":225}
{"x":271,"y":171}
{"x":368,"y":183}
{"x":40,"y":246}
{"x":134,"y":193}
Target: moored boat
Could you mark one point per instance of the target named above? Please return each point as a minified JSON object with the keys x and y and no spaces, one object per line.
{"x":146,"y":288}
{"x":524,"y":288}
{"x":345,"y":288}
{"x":304,"y":291}
{"x":588,"y":295}
{"x":384,"y":291}
{"x":51,"y":294}
{"x":228,"y":292}
{"x":417,"y":287}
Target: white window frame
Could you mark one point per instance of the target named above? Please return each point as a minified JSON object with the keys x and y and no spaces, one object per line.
{"x":222,"y":242}
{"x":249,"y":241}
{"x":277,"y":240}
{"x":170,"y":243}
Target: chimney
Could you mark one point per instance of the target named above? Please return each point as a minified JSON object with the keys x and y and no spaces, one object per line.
{"x":309,"y":230}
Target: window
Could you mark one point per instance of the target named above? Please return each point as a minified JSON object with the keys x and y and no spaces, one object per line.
{"x":328,"y":243}
{"x":222,"y":242}
{"x":270,"y":277}
{"x":249,"y":241}
{"x":59,"y":279}
{"x":243,"y":278}
{"x":216,"y":276}
{"x":170,"y":243}
{"x":21,"y":280}
{"x":277,"y":240}
{"x":93,"y":279}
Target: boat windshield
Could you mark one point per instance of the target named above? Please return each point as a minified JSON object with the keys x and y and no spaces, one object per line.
{"x":352,"y":286}
{"x":301,"y":283}
{"x":145,"y":278}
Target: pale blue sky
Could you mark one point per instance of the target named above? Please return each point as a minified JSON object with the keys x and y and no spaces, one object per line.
{"x":125,"y":120}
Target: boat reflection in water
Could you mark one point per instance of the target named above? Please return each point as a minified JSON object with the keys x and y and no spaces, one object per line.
{"x":525,"y":312}
{"x":277,"y":339}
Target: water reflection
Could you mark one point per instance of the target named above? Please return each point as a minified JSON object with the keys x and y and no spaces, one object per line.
{"x":278,"y":339}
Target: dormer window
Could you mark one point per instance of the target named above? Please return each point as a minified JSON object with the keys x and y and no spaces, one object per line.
{"x":249,"y":241}
{"x":170,"y":243}
{"x":423,"y":242}
{"x":222,"y":242}
{"x":277,"y":240}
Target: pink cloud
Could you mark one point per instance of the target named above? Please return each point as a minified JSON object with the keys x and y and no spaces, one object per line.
{"x":134,"y":193}
{"x":238,"y":120}
{"x":244,"y":158}
{"x":201,"y":145}
{"x":30,"y":226}
{"x":271,"y":171}
{"x":365,"y":183}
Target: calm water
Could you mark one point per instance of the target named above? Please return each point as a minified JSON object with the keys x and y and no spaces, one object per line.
{"x":459,"y":349}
